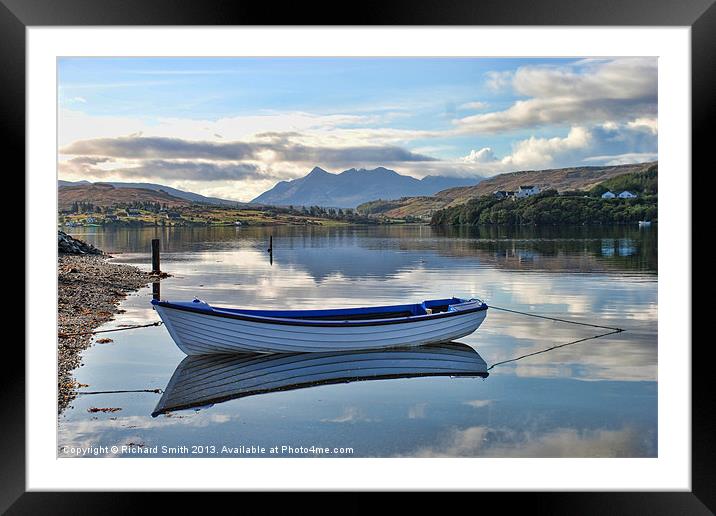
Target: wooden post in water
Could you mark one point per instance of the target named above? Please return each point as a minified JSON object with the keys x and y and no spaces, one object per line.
{"x":155,"y":256}
{"x":156,"y":290}
{"x":270,"y":250}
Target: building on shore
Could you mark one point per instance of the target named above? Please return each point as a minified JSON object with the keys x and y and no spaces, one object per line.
{"x":626,"y":194}
{"x":503,"y":194}
{"x":608,"y":195}
{"x":526,"y":191}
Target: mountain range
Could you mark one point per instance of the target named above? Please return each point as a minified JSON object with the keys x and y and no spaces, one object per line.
{"x":352,"y":187}
{"x":377,"y":191}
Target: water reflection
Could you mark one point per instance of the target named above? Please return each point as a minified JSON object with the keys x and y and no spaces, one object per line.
{"x":485,"y":441}
{"x":385,"y":251}
{"x":206,"y":380}
{"x":589,"y":399}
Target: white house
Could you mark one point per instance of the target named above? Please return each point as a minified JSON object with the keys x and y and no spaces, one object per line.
{"x":526,"y":191}
{"x":503,"y":194}
{"x":627,"y":195}
{"x":608,"y":195}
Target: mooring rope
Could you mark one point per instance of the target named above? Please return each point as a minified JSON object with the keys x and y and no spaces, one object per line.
{"x":616,"y":330}
{"x":554,"y":347}
{"x":155,"y":391}
{"x":66,"y":335}
{"x":612,"y":332}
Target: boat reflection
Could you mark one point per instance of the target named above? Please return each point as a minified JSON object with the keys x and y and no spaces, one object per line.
{"x":208,"y":379}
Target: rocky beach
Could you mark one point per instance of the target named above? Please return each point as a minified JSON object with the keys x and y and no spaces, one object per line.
{"x":89,"y":291}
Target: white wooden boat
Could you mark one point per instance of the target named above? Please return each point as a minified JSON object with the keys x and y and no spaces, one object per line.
{"x":644,"y":223}
{"x":201,"y":381}
{"x":198,"y":328}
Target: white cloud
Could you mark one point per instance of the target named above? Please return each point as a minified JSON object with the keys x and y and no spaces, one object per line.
{"x":539,"y":152}
{"x":532,"y":152}
{"x":591,"y":92}
{"x":499,"y":80}
{"x":650,"y":124}
{"x":620,"y":78}
{"x":484,"y":155}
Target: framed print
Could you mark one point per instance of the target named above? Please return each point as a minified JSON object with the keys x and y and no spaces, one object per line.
{"x":427,"y":255}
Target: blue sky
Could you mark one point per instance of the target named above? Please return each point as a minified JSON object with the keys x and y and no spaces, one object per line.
{"x":233,"y":127}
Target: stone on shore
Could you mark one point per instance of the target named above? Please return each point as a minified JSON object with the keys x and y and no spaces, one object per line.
{"x":69,"y":245}
{"x":89,"y":290}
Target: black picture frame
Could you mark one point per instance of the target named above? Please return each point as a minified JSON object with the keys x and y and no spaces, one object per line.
{"x":700,"y":15}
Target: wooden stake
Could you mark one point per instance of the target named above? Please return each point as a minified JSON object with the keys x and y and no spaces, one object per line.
{"x":155,"y":256}
{"x":270,"y":250}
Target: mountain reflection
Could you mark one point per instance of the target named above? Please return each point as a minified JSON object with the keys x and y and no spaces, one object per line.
{"x":206,"y":380}
{"x":386,"y":251}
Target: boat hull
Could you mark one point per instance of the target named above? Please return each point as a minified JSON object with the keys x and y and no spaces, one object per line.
{"x":197,"y":333}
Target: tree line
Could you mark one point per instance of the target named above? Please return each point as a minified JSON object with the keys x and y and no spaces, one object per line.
{"x":89,"y":207}
{"x":341,"y":214}
{"x":549,"y":208}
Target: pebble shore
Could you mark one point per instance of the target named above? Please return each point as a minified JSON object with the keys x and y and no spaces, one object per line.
{"x":89,"y":291}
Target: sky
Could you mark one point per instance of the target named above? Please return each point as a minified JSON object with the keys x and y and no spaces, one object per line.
{"x":234,"y":127}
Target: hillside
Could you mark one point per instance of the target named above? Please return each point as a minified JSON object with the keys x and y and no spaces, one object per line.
{"x":643,"y":182}
{"x":181,"y":194}
{"x":353,"y":187}
{"x":571,"y":207}
{"x":106,"y":195}
{"x":564,"y":179}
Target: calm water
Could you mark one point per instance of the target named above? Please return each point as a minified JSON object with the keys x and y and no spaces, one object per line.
{"x":595,"y":398}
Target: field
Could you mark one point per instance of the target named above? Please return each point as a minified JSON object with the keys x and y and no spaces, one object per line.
{"x":198,"y":215}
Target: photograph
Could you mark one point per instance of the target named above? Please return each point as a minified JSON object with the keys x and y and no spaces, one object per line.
{"x":357,"y":257}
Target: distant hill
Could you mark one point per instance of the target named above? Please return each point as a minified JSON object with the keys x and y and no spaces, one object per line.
{"x":353,"y":187}
{"x":561,"y":179}
{"x":181,"y":194}
{"x":106,"y":195}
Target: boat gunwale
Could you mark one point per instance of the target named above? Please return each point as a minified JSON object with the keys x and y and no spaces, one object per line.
{"x":217,"y":312}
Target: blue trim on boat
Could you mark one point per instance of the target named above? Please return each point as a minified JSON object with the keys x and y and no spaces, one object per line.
{"x":302,"y":317}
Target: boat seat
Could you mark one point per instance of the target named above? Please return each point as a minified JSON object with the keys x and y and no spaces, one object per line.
{"x":359,"y":317}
